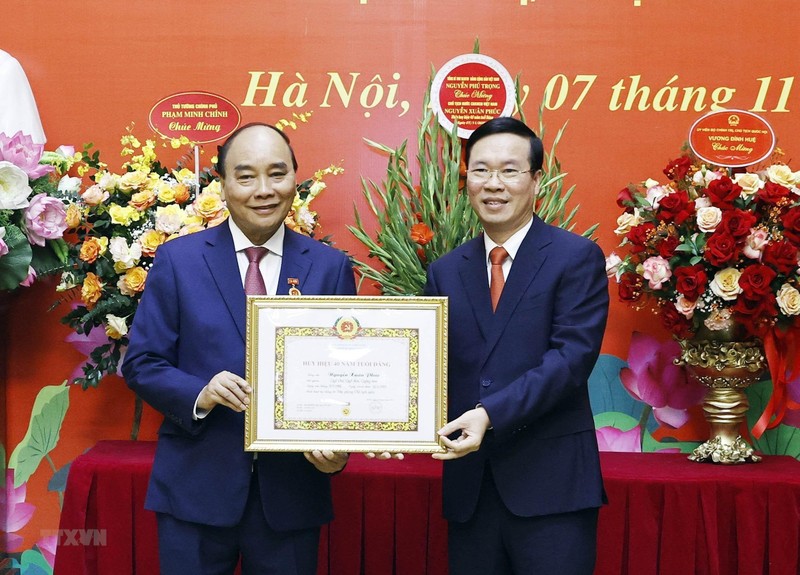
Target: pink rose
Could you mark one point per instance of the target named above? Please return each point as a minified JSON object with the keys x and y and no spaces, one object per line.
{"x":754,"y":243}
{"x":45,"y":219}
{"x":23,"y":153}
{"x":656,"y":271}
{"x":94,"y":195}
{"x":28,"y":281}
{"x":3,"y":244}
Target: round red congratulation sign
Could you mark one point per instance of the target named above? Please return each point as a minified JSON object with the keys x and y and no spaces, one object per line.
{"x":200,"y":116}
{"x":732,"y":138}
{"x":469,"y":90}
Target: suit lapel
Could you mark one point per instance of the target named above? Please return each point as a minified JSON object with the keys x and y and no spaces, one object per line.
{"x":530,"y":257}
{"x":475,"y":279}
{"x":220,"y":257}
{"x":295,"y":264}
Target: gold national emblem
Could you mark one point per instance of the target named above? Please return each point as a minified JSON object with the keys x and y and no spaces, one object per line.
{"x":347,"y":327}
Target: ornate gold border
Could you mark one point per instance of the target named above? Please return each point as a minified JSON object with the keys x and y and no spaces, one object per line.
{"x":390,"y":429}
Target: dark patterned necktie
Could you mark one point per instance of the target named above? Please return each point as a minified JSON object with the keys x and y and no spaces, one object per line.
{"x":253,"y":280}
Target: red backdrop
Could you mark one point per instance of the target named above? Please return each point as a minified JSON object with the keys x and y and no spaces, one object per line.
{"x":629,"y":77}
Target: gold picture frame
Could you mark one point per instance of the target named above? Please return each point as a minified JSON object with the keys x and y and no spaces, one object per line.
{"x":346,"y":373}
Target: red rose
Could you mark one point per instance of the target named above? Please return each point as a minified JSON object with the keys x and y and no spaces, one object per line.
{"x":737,"y":222}
{"x":677,"y":169}
{"x":691,"y":281}
{"x":722,"y":192}
{"x":721,"y":248}
{"x":638,"y":235}
{"x":781,"y":255}
{"x":675,"y":207}
{"x":755,"y":280}
{"x":751,"y":310}
{"x":625,"y":199}
{"x":791,"y":225}
{"x":666,"y":247}
{"x":772,"y":193}
{"x":630,"y":287}
{"x":676,"y":322}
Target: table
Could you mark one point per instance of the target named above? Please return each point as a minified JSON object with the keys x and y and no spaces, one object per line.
{"x":388,"y":516}
{"x":666,"y":515}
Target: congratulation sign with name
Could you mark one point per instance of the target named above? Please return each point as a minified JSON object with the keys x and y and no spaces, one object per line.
{"x":469,"y":90}
{"x":346,"y":373}
{"x":200,"y":116}
{"x":732,"y":138}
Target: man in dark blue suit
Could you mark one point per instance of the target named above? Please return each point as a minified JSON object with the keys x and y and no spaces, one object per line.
{"x":186,"y":358}
{"x":528,"y":304}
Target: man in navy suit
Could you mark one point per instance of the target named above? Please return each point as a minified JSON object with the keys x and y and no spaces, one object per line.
{"x":522,"y":483}
{"x":186,"y":358}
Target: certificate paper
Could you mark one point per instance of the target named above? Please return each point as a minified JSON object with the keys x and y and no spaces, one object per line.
{"x":346,"y":373}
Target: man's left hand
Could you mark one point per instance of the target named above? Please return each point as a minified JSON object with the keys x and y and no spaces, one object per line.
{"x":472,"y":425}
{"x":327,"y":461}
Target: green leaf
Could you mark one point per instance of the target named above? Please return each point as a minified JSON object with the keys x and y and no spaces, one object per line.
{"x":14,"y":265}
{"x":781,"y":440}
{"x":621,"y":421}
{"x":32,"y":562}
{"x":44,"y":428}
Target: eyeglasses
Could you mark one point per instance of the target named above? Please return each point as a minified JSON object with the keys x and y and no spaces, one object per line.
{"x":507,"y":175}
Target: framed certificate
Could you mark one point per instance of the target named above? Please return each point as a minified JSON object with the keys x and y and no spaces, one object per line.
{"x":346,"y":373}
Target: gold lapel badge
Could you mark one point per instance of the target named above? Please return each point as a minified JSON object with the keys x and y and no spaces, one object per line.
{"x":294,"y":290}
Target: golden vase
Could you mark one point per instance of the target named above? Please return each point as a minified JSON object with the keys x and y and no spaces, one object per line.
{"x":726,"y":365}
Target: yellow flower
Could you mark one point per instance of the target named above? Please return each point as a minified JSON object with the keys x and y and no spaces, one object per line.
{"x":116,"y":327}
{"x":213,"y":188}
{"x":142,"y":200}
{"x":150,"y":240}
{"x":183,"y":174}
{"x":208,"y":205}
{"x":74,"y":216}
{"x":133,"y":281}
{"x":123,"y":215}
{"x":92,"y":290}
{"x":131,"y":181}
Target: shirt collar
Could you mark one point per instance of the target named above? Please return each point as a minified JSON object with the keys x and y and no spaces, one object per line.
{"x":240,"y":242}
{"x":511,"y":245}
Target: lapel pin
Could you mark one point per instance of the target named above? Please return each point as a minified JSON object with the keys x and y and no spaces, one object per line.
{"x":294,"y":290}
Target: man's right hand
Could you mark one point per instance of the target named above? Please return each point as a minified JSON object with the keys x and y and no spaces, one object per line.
{"x":226,"y":389}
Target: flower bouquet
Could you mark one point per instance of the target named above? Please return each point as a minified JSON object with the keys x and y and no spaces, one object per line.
{"x":32,"y":217}
{"x":713,"y":249}
{"x":116,"y":225}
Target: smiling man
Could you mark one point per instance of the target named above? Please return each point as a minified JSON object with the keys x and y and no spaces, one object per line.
{"x":215,"y":504}
{"x":528,"y":304}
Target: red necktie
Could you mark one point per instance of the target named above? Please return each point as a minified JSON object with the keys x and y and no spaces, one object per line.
{"x":497,"y":256}
{"x":253,"y":280}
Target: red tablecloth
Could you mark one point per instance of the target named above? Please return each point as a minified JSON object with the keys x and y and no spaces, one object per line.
{"x":666,"y":515}
{"x":669,"y":516}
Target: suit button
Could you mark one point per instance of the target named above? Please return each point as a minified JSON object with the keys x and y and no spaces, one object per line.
{"x":486,"y":382}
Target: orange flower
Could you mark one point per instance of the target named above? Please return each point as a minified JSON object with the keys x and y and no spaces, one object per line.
{"x":421,"y":234}
{"x":91,"y":249}
{"x":181,"y":194}
{"x":421,"y":255}
{"x":92,"y":290}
